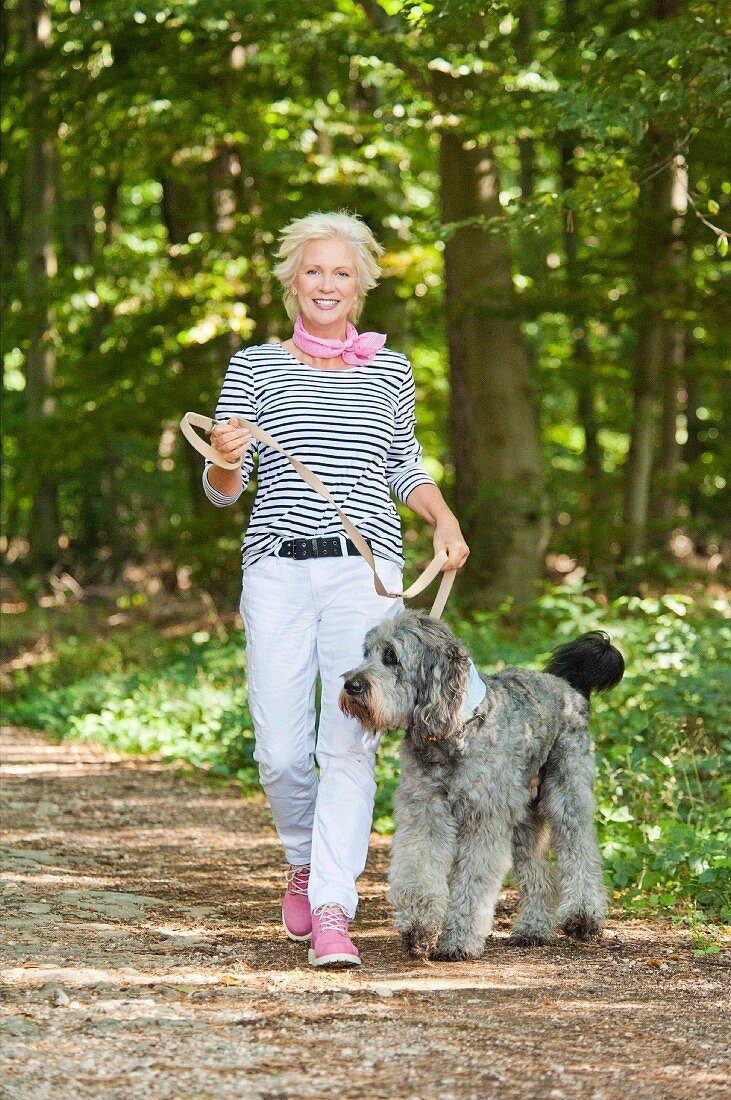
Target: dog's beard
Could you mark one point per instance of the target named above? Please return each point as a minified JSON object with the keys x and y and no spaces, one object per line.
{"x":364,"y":708}
{"x":358,"y":709}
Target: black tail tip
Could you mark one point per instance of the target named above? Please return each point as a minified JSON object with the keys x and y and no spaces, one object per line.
{"x":589,"y":663}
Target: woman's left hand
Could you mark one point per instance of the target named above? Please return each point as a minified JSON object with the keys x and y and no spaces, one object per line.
{"x":448,"y":536}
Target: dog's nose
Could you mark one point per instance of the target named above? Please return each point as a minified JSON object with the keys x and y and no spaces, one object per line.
{"x":355,"y":686}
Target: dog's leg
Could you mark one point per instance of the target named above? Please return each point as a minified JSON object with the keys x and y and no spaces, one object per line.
{"x":481,"y":863}
{"x":421,"y":858}
{"x":535,"y":923}
{"x":568,"y":802}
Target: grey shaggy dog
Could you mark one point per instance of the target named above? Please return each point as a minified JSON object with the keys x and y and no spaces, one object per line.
{"x":482,"y":793}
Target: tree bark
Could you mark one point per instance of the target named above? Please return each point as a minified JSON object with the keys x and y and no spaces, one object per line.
{"x":653,"y":259}
{"x":693,"y":447}
{"x":524,"y":53}
{"x":663,"y":503}
{"x":583,"y":378}
{"x":582,"y":372}
{"x":495,"y":442}
{"x":179,"y":206}
{"x":498,"y":466}
{"x":653,"y":235}
{"x":39,"y":201}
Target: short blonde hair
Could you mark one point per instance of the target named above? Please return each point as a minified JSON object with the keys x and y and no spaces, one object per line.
{"x":295,"y":237}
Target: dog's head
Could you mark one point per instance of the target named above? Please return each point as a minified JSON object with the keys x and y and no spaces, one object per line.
{"x":414,"y":675}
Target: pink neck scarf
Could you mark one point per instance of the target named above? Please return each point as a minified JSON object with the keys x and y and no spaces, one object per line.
{"x":356,"y":350}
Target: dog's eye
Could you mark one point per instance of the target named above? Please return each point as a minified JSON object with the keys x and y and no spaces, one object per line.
{"x":389,"y":656}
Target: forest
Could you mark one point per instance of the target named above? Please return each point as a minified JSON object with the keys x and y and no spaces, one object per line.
{"x":550,"y":182}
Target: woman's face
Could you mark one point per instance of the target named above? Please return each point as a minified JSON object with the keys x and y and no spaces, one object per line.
{"x":327,"y":286}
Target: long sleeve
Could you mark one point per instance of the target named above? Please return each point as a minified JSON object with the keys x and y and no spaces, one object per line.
{"x":237,"y":398}
{"x":403,"y":465}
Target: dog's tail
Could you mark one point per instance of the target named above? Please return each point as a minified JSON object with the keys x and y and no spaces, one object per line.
{"x":590,"y":663}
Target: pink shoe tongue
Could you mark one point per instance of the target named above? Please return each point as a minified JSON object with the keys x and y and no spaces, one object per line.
{"x":333,"y":919}
{"x":298,"y":879}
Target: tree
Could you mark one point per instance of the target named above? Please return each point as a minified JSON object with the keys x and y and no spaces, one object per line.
{"x":494,"y":440}
{"x":506,"y":159}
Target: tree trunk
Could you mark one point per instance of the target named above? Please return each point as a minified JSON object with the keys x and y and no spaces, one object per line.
{"x":653,"y":260}
{"x":663,"y":504}
{"x":693,"y":447}
{"x":499,"y":473}
{"x":653,"y":235}
{"x":582,"y":372}
{"x":39,"y":200}
{"x":100,"y":527}
{"x":180,"y":202}
{"x":524,"y":51}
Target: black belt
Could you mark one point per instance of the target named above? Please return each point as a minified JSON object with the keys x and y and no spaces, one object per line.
{"x":301,"y":549}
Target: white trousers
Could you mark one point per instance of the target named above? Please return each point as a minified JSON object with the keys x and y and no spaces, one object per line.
{"x":301,"y":618}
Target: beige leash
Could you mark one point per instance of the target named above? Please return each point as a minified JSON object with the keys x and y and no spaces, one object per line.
{"x":193,"y":420}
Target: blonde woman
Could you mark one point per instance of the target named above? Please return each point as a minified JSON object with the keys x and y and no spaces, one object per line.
{"x":342,"y":403}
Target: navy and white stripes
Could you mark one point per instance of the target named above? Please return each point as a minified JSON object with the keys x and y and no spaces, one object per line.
{"x":354,"y":428}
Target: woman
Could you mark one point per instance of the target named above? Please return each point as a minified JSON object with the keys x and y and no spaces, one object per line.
{"x":344,"y":405}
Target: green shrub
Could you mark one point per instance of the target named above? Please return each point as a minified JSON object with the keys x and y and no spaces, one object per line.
{"x":662,"y":748}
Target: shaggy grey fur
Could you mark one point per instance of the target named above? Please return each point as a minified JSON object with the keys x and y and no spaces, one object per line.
{"x":466,"y":807}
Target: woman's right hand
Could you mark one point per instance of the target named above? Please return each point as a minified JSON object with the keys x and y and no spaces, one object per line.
{"x":231,"y":440}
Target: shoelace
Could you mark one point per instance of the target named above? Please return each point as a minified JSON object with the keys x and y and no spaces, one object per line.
{"x":332,"y":919}
{"x":298,"y":878}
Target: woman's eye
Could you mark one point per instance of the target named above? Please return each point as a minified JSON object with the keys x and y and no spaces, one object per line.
{"x":314,"y":271}
{"x":389,"y":657}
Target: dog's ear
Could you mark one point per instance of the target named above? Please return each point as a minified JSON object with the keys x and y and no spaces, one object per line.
{"x":441,"y":684}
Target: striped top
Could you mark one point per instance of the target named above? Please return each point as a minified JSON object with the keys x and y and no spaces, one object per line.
{"x":353,"y":427}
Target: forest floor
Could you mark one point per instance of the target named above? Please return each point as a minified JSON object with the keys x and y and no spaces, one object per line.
{"x":144,"y":959}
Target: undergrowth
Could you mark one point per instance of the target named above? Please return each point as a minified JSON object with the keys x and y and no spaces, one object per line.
{"x":662,"y":735}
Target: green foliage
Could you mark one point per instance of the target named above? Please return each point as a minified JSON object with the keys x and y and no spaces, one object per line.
{"x":663,"y":787}
{"x":185,"y":700}
{"x":184,"y":137}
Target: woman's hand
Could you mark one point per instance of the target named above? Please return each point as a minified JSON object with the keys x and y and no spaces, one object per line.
{"x":231,"y":440}
{"x":448,"y":536}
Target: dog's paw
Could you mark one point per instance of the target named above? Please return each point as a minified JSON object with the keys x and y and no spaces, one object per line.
{"x":528,"y":938}
{"x":583,"y":926}
{"x":454,"y":951}
{"x":419,"y":940}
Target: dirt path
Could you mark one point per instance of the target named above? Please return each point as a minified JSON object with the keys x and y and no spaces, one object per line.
{"x":143,"y":958}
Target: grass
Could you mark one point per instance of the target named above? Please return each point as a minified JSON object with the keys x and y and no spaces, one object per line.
{"x":663,"y":748}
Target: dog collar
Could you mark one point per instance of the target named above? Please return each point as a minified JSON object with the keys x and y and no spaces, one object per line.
{"x":476,"y":691}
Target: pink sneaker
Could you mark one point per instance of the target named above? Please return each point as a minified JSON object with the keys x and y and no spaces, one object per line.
{"x":331,"y":944}
{"x":296,"y":912}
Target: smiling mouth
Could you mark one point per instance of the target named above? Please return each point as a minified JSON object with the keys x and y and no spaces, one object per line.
{"x":326,"y":303}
